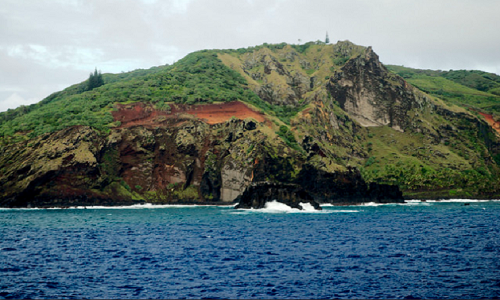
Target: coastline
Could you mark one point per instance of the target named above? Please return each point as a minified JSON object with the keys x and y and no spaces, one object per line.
{"x":228,"y":205}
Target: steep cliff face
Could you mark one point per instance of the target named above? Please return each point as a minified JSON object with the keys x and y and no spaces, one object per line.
{"x":181,"y":159}
{"x":372,"y":95}
{"x":287,"y":75}
{"x":52,"y":167}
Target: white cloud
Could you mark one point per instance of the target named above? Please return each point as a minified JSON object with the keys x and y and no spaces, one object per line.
{"x":57,"y":57}
{"x":15,"y":100}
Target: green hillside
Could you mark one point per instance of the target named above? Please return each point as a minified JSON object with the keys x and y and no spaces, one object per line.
{"x":470,"y":89}
{"x":198,"y":78}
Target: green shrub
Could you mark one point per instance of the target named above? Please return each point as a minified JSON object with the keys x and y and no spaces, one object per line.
{"x":125,"y":185}
{"x":289,"y":138}
{"x":370,"y":161}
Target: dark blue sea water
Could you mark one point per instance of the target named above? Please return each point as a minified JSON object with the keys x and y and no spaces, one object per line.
{"x":416,"y":250}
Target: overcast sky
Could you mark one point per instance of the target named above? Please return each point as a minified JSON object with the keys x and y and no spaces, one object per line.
{"x":47,"y":45}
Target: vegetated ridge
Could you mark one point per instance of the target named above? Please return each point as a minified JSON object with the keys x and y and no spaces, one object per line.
{"x":205,"y":128}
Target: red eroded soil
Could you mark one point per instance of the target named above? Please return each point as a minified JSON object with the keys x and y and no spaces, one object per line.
{"x":489,"y":119}
{"x":145,"y":115}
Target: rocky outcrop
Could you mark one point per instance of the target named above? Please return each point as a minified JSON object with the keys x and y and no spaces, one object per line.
{"x":234,"y":180}
{"x":275,"y":83}
{"x":314,"y":186}
{"x":57,"y":169}
{"x":345,"y":187}
{"x":372,"y":95}
{"x":259,"y":193}
{"x":384,"y":193}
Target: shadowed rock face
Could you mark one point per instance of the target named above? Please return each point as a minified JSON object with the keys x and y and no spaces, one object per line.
{"x":345,"y":187}
{"x":257,"y":194}
{"x":385,"y":193}
{"x":313,"y":186}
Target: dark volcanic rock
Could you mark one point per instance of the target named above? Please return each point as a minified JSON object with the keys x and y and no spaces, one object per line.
{"x":340,"y":187}
{"x":385,"y":193}
{"x":345,"y":187}
{"x":257,"y":194}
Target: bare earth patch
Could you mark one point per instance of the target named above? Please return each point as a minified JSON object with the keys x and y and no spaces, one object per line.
{"x":489,"y":119}
{"x":146,"y":115}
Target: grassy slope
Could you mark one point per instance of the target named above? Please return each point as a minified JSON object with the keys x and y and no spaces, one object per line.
{"x":470,"y":89}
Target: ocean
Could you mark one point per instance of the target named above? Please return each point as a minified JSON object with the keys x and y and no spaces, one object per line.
{"x":446,"y":249}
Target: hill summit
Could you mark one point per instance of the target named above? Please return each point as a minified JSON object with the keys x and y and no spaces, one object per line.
{"x":328,"y":118}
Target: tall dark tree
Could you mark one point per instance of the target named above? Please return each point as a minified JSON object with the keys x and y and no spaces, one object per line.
{"x":327,"y":39}
{"x":95,"y":80}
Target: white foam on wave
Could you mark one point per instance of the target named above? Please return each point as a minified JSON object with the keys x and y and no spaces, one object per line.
{"x":379,"y":204}
{"x":462,"y":200}
{"x":427,"y":202}
{"x":414,"y":203}
{"x":418,"y":202}
{"x":278,"y":207}
{"x":307,"y":206}
{"x":339,"y":208}
{"x":275,"y":206}
{"x":152,"y":206}
{"x":134,"y":206}
{"x":359,"y":205}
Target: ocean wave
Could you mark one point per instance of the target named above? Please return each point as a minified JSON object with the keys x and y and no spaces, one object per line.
{"x":450,"y":201}
{"x":380,"y":204}
{"x":463,"y":200}
{"x":278,"y":207}
{"x":359,"y":204}
{"x":134,"y":206}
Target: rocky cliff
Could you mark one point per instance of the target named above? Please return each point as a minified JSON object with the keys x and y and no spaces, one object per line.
{"x":372,"y":95}
{"x":180,"y":160}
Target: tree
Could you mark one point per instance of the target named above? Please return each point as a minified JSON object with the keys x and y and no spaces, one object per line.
{"x":95,"y":80}
{"x":327,"y":39}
